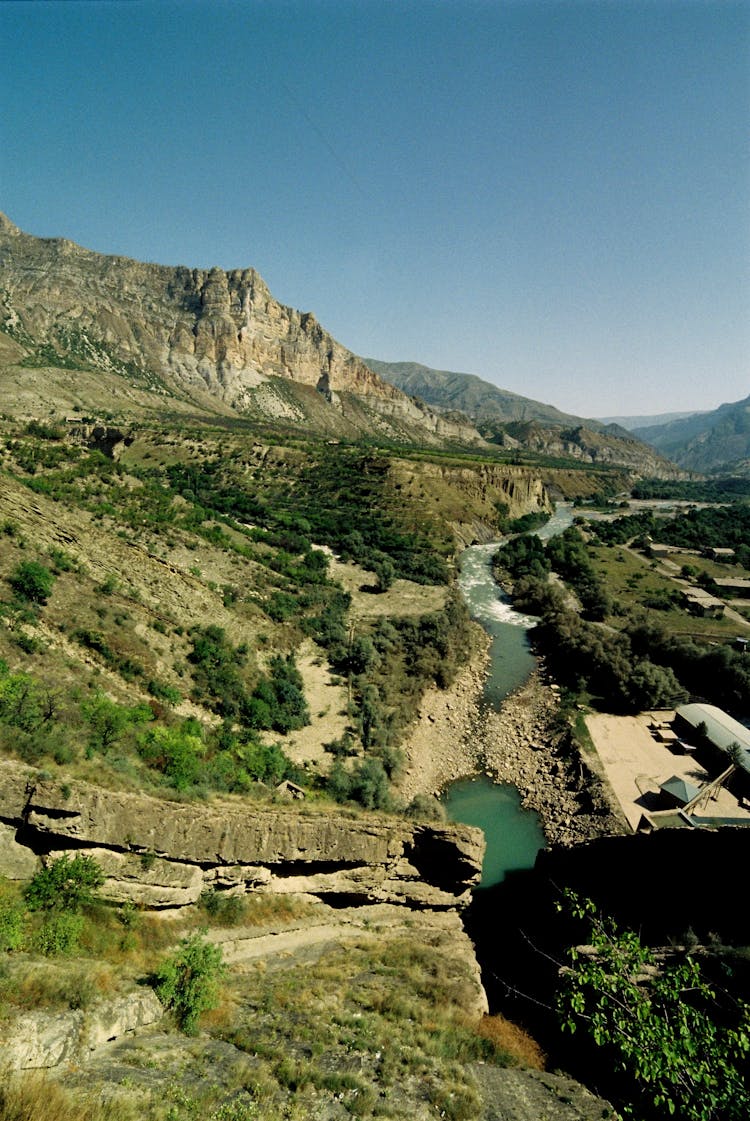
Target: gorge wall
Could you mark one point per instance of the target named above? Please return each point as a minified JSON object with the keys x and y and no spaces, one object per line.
{"x":165,"y":854}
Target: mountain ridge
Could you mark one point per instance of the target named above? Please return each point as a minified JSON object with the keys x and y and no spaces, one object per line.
{"x":511,"y":421}
{"x":635,"y":423}
{"x":467,"y":393}
{"x":713,"y":442}
{"x":212,"y":336}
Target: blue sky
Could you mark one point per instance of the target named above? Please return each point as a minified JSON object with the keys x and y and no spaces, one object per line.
{"x":554,"y":196}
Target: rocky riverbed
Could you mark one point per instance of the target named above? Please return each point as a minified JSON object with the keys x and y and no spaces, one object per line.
{"x":524,"y":743}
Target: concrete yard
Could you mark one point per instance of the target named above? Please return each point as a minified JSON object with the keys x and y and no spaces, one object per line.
{"x":634,"y":764}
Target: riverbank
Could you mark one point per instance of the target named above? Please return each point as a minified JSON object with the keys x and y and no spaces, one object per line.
{"x":457,"y":735}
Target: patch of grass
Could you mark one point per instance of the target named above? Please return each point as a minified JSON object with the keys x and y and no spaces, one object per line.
{"x":52,"y":986}
{"x":35,"y":1097}
{"x":513,"y":1041}
{"x":376,"y":1022}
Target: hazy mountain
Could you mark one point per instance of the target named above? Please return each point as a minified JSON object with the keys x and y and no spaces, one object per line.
{"x":713,"y":442}
{"x":152,"y":337}
{"x":515,"y":422}
{"x":467,"y":393}
{"x":634,"y":423}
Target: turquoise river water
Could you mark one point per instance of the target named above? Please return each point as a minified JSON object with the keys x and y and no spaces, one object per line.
{"x":514,"y":835}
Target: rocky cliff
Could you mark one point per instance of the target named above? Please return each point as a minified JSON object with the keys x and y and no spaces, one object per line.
{"x":470,"y":497}
{"x":204,"y":334}
{"x":164,"y":854}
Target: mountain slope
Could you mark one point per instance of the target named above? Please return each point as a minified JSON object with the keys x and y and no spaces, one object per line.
{"x":468,"y":394}
{"x":207,"y":338}
{"x":511,"y":421}
{"x":707,"y":442}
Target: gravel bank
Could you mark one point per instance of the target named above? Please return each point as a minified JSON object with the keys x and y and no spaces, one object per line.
{"x":456,"y":735}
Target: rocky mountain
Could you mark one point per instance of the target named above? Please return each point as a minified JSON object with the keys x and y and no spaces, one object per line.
{"x":711,"y":443}
{"x":587,"y":444}
{"x":166,"y":338}
{"x":508,"y":420}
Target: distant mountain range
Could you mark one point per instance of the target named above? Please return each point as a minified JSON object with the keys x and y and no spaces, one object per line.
{"x":512,"y":421}
{"x":717,"y":442}
{"x":636,"y":423}
{"x":468,"y":394}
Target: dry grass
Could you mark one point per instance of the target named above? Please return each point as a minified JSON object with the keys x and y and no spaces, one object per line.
{"x":33,"y":984}
{"x":508,"y":1038}
{"x":34,"y":1097}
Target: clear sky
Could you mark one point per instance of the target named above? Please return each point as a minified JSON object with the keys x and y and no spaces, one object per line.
{"x":552,"y":195}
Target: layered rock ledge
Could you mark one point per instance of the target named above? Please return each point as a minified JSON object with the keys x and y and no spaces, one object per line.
{"x":164,"y":854}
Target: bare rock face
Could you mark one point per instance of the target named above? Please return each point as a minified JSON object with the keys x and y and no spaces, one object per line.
{"x":17,"y":862}
{"x":164,"y":854}
{"x":41,"y":1040}
{"x":181,"y":329}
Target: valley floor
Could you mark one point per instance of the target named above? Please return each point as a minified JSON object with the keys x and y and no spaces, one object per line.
{"x":457,"y":735}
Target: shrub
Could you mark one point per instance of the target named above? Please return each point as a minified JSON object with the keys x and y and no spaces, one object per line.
{"x":59,"y":933}
{"x":11,"y":925}
{"x":224,"y":909}
{"x":426,"y":807}
{"x":66,"y":885}
{"x":366,"y":784}
{"x":671,"y":1037}
{"x":176,"y":752}
{"x":32,"y":581}
{"x":188,"y":982}
{"x":109,"y":720}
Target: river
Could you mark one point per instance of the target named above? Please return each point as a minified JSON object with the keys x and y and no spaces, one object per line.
{"x":514,"y":835}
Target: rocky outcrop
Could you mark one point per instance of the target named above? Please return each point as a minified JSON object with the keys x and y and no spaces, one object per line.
{"x":42,"y":1040}
{"x":178,"y":330}
{"x":105,"y":438}
{"x":164,"y":854}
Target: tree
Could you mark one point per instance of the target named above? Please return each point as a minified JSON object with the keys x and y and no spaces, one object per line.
{"x":108,"y":720}
{"x":176,"y":752}
{"x":32,"y":581}
{"x":663,"y":1025}
{"x":385,"y":572}
{"x":188,"y":982}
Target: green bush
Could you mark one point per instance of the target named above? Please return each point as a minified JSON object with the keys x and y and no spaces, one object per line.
{"x":32,"y":581}
{"x":109,"y":721}
{"x":21,"y":700}
{"x":188,"y":982}
{"x":11,"y":925}
{"x":672,"y":1038}
{"x":65,"y":885}
{"x":176,"y":752}
{"x":367,"y":784}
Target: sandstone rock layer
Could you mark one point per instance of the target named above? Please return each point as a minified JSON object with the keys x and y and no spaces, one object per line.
{"x":164,"y":854}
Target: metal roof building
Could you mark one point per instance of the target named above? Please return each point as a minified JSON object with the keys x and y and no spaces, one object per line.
{"x":721,"y":729}
{"x":679,"y":791}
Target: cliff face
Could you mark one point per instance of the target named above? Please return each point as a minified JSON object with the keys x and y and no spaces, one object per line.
{"x":471,"y":497}
{"x":188,"y":330}
{"x":163,"y":854}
